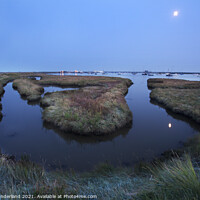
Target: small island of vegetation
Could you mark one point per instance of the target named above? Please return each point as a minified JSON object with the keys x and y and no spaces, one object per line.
{"x":179,"y":96}
{"x":98,"y":107}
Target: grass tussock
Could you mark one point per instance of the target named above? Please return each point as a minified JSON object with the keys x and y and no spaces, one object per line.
{"x":182,"y":99}
{"x":176,"y":179}
{"x":28,"y":88}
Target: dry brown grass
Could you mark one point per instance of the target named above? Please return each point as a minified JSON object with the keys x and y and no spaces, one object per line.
{"x":179,"y":96}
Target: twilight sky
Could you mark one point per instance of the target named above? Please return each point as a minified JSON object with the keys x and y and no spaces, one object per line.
{"x":51,"y":35}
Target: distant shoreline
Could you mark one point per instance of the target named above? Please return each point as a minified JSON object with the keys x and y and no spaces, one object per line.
{"x":100,"y":72}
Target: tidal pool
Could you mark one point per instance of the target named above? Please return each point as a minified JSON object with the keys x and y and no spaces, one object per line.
{"x":153,"y":131}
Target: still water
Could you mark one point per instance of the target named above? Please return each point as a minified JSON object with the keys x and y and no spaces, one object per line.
{"x":22,"y":131}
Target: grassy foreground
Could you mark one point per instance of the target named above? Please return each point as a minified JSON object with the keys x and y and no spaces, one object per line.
{"x":177,"y":179}
{"x":180,"y":96}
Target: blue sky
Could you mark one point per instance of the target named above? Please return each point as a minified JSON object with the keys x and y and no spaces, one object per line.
{"x":51,"y":35}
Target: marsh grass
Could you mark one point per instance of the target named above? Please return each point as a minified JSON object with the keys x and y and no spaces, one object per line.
{"x":4,"y":79}
{"x":192,"y":146}
{"x":175,"y":179}
{"x":81,"y":81}
{"x":172,"y":83}
{"x":104,"y":168}
{"x":98,"y":109}
{"x":107,"y":182}
{"x":181,"y":101}
{"x":87,"y":101}
{"x":28,"y":89}
{"x":179,"y":96}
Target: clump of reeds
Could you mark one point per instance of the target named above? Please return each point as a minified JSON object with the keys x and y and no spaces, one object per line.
{"x":176,"y":179}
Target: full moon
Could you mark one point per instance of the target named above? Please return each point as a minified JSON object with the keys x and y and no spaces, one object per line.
{"x":175,"y":13}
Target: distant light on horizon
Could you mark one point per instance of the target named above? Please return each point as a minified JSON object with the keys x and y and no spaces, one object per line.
{"x":169,"y":125}
{"x":176,"y":13}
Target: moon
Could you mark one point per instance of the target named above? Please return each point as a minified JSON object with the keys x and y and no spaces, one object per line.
{"x":175,"y":13}
{"x":169,"y":125}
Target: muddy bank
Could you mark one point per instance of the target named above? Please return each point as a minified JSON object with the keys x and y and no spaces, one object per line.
{"x":179,"y":96}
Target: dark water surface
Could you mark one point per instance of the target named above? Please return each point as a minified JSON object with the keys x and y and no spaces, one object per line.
{"x":22,"y":132}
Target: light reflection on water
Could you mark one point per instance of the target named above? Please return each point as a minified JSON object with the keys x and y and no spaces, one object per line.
{"x":22,"y":131}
